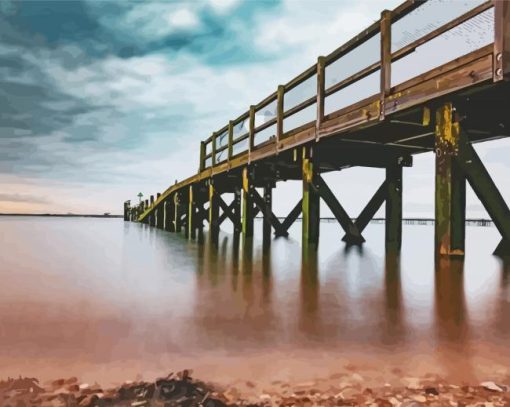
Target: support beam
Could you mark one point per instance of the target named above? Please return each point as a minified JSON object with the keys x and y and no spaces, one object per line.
{"x":290,"y":219}
{"x":353,"y":235}
{"x":236,"y":213}
{"x":450,"y":194}
{"x":214,"y":210}
{"x":126,"y":211}
{"x":487,"y":191}
{"x":160,"y":216}
{"x":310,"y":202}
{"x":369,"y":211}
{"x":179,"y":208}
{"x":393,"y":209}
{"x":268,"y":213}
{"x":248,"y":212}
{"x":169,"y":215}
{"x":261,"y":205}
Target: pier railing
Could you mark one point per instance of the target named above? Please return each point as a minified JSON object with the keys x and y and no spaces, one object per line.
{"x":369,"y":73}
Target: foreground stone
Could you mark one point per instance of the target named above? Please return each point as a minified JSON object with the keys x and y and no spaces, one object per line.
{"x":182,"y":390}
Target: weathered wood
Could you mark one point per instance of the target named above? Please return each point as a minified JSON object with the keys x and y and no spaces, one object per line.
{"x":486,"y":190}
{"x":213,"y":152}
{"x":169,"y":215}
{"x":268,"y":213}
{"x":179,"y":208}
{"x":202,"y":156}
{"x":450,"y":195}
{"x":321,"y":90}
{"x":230,"y":139}
{"x":393,"y":224}
{"x":214,"y":225}
{"x":310,"y":202}
{"x":290,"y":219}
{"x":160,"y":216}
{"x":368,"y":212}
{"x":236,"y":211}
{"x":251,"y":131}
{"x":502,"y":39}
{"x":247,"y":205}
{"x":353,"y":235}
{"x":279,"y":111}
{"x":385,"y":59}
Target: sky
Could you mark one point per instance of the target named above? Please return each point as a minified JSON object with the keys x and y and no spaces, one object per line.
{"x":100,"y":100}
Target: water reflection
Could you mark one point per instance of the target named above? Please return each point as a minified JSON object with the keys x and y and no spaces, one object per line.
{"x":164,"y":295}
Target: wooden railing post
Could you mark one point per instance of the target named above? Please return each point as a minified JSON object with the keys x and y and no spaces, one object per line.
{"x":213,"y":158}
{"x":385,"y":60}
{"x":251,"y":133}
{"x":280,"y":95}
{"x":230,"y":139}
{"x":502,"y":39}
{"x":202,"y":156}
{"x":321,"y":88}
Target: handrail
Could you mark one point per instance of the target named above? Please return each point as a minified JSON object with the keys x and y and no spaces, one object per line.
{"x":441,"y":30}
{"x":383,"y":27}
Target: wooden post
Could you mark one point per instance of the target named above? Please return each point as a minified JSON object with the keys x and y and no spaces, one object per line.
{"x":213,"y":159}
{"x":251,"y":132}
{"x":126,"y":211}
{"x":450,"y":195}
{"x":237,"y":214}
{"x":202,"y":156}
{"x":310,"y":202}
{"x":280,"y":94}
{"x":214,"y":210}
{"x":393,"y":209}
{"x":152,"y":217}
{"x":268,"y":212}
{"x":321,"y":88}
{"x":178,"y":206}
{"x":230,"y":139}
{"x":385,"y":59}
{"x":247,"y":219}
{"x":502,"y":39}
{"x":169,"y":215}
{"x":191,"y":226}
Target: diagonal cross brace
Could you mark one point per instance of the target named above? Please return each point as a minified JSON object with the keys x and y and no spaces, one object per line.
{"x":352,"y":231}
{"x":486,"y":190}
{"x":370,"y":210}
{"x":290,"y":219}
{"x":261,"y":205}
{"x":227,"y":211}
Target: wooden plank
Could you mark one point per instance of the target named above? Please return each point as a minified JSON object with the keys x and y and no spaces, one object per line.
{"x":470,"y":74}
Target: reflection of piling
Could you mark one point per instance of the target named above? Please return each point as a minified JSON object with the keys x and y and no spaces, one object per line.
{"x":395,"y":329}
{"x":450,"y":302}
{"x":309,"y":292}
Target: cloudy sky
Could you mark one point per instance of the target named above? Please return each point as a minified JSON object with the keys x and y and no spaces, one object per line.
{"x":100,"y":100}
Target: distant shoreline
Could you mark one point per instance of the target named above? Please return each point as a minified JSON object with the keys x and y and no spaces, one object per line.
{"x":57,"y":215}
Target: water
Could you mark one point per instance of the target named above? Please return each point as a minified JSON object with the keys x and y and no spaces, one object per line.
{"x":107,"y":300}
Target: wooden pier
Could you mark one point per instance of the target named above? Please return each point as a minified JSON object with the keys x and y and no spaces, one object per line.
{"x":421,"y":79}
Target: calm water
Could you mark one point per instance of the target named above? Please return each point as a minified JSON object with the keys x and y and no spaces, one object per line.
{"x":105,"y":299}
